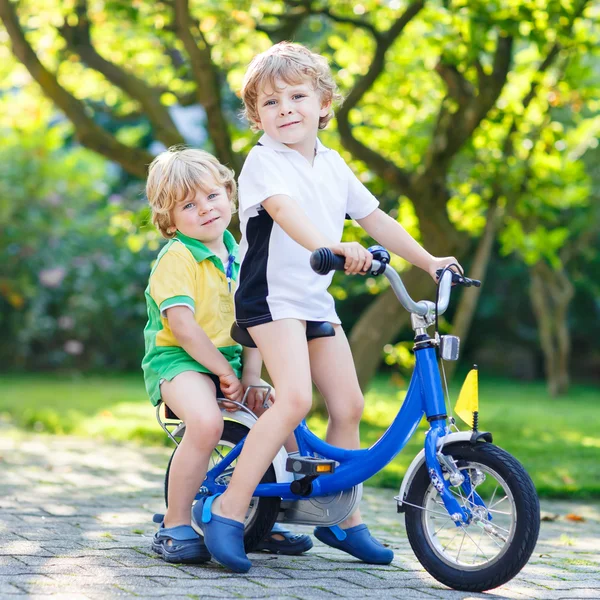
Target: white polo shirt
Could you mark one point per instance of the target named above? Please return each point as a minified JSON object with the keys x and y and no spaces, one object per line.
{"x":276,"y":280}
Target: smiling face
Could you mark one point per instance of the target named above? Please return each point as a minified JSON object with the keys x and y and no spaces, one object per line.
{"x":290,"y":113}
{"x":204,"y":214}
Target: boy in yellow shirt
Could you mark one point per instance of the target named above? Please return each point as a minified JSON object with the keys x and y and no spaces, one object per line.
{"x":190,"y":358}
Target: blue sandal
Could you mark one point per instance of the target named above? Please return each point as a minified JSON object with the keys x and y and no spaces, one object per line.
{"x":223,"y":537}
{"x":292,"y":544}
{"x":356,"y":541}
{"x":179,"y":544}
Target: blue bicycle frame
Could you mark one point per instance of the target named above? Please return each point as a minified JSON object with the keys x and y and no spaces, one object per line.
{"x":424,"y":396}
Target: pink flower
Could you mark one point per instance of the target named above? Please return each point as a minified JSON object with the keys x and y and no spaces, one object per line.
{"x":74,"y":347}
{"x":52,"y":278}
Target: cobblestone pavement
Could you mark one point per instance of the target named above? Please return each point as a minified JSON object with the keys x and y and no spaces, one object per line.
{"x":75,"y":523}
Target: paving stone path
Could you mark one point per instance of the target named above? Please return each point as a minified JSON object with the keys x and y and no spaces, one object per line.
{"x":75,"y":523}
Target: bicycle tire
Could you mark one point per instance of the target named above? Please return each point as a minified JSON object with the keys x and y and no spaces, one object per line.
{"x":267,"y":509}
{"x":518,"y":548}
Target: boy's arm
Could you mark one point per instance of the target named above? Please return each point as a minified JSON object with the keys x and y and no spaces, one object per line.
{"x":292,"y":219}
{"x":389,"y":233}
{"x":285,"y":211}
{"x":252,"y":361}
{"x":197,"y":344}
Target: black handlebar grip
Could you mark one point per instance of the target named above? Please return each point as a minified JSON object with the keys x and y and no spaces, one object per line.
{"x":323,"y":260}
{"x":460,"y":279}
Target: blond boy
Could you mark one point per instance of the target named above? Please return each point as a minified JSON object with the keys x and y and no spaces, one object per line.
{"x":190,"y":357}
{"x":294,"y":196}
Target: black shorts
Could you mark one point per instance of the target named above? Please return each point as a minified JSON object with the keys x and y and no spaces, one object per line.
{"x":217,"y":383}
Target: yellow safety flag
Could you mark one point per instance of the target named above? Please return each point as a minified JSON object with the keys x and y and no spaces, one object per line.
{"x":468,"y":399}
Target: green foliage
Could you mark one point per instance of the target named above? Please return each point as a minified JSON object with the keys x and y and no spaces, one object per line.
{"x":84,"y":217}
{"x":74,"y":261}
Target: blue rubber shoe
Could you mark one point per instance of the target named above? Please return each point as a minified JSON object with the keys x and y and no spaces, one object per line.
{"x":292,"y":544}
{"x":356,"y":541}
{"x":179,"y":544}
{"x":223,"y":537}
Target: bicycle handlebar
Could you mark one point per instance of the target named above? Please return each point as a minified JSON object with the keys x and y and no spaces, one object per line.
{"x":323,"y":260}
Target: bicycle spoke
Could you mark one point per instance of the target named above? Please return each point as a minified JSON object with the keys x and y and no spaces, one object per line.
{"x":492,"y":538}
{"x":493,"y":496}
{"x":434,"y":512}
{"x":478,"y":542}
{"x":443,"y":525}
{"x":476,"y":545}
{"x":460,"y":547}
{"x":495,"y":527}
{"x":221,"y":456}
{"x":499,"y":501}
{"x":482,"y":541}
{"x":452,"y":539}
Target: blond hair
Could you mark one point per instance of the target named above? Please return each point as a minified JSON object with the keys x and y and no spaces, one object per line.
{"x":292,"y":63}
{"x":178,"y":172}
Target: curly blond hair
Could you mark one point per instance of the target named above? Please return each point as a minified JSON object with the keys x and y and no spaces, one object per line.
{"x":178,"y":172}
{"x":292,"y":63}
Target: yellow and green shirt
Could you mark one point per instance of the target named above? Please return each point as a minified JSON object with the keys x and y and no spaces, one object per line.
{"x":187,"y":273}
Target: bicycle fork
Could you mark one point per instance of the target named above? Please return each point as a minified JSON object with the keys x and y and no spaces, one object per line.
{"x":459,"y":514}
{"x":435,"y":409}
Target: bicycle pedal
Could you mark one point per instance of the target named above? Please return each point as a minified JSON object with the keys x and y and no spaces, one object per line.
{"x":307,"y":465}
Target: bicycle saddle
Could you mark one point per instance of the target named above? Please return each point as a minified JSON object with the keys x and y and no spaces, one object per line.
{"x":314,"y":330}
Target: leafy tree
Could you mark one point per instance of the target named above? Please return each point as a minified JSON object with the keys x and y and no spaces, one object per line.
{"x":74,"y":265}
{"x":437,"y":97}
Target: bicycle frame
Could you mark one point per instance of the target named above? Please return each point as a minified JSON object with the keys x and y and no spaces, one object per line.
{"x":424,"y":396}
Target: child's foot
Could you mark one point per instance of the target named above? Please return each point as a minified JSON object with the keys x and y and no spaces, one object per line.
{"x":356,"y":541}
{"x":223,"y":537}
{"x":179,"y":544}
{"x":282,"y":541}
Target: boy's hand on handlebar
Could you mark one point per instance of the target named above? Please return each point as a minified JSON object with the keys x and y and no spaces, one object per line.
{"x":358,"y":258}
{"x":255,"y":397}
{"x":232,"y":389}
{"x":440,"y":262}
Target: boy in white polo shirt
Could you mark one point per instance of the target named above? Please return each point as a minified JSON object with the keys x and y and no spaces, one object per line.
{"x":294,"y":196}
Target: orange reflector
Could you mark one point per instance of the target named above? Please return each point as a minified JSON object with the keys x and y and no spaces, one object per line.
{"x":323,"y":468}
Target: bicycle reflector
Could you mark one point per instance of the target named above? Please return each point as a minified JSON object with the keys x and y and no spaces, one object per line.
{"x":307,"y":465}
{"x":449,"y":347}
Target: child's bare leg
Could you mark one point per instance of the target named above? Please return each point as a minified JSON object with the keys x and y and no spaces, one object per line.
{"x":192,"y":397}
{"x":290,"y":443}
{"x":283,"y":347}
{"x":333,"y":372}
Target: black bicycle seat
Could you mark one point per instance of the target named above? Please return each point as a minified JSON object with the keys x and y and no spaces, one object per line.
{"x":314,"y":330}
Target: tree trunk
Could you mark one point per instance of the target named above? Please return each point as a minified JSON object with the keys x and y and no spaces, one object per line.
{"x":385,"y":317}
{"x":550,"y":293}
{"x":469,"y":299}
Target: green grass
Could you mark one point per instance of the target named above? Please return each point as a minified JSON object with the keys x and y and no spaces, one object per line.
{"x":553,"y":438}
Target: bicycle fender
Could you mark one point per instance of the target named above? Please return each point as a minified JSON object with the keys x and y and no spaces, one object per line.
{"x":279,"y":461}
{"x":419,"y":459}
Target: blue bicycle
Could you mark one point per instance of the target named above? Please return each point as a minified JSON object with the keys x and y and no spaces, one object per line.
{"x":471,"y":510}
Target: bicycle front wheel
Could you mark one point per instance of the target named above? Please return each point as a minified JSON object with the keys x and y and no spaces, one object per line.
{"x":500,"y":537}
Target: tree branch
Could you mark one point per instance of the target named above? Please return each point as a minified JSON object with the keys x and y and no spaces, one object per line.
{"x":79,"y":41}
{"x":357,"y":22}
{"x":133,"y":160}
{"x":458,"y":87}
{"x":289,"y":22}
{"x":386,"y":169}
{"x":207,"y":82}
{"x":453,"y":129}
